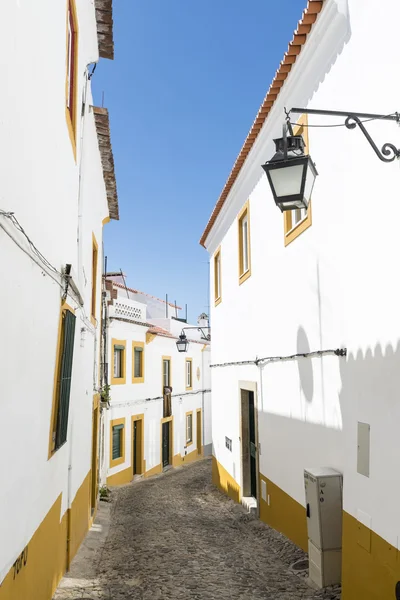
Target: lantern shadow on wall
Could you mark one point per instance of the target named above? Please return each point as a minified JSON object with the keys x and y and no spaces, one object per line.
{"x":305,"y":365}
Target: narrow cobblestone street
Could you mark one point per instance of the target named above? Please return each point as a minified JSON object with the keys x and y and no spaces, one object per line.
{"x":176,"y":536}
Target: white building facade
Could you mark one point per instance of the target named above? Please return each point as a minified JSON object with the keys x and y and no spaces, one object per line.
{"x":159,"y":412}
{"x":54,"y":200}
{"x":321,"y":281}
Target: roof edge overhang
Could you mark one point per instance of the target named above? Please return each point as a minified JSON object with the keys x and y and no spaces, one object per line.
{"x":102,"y":122}
{"x":304,"y":27}
{"x":105,"y":28}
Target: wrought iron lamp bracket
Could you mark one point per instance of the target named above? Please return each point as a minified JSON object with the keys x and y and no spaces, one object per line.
{"x":206,"y":336}
{"x":388,"y":152}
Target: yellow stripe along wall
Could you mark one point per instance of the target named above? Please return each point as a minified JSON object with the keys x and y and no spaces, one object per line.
{"x":126,"y":475}
{"x":40,"y":566}
{"x":370,"y":565}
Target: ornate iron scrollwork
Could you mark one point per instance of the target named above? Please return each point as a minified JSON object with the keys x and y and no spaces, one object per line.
{"x":389,"y":151}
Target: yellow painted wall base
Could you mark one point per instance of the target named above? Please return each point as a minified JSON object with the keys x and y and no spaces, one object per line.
{"x":120,"y":478}
{"x":40,"y":566}
{"x":370,"y":565}
{"x":35,"y":575}
{"x":154,"y":471}
{"x":189,"y":458}
{"x":224,"y":481}
{"x":126,"y":476}
{"x":79,"y":517}
{"x":284,"y":514}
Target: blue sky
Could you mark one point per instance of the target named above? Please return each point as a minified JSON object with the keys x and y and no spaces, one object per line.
{"x":183,"y":91}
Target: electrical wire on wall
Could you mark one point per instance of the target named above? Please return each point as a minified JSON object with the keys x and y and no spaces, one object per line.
{"x":269,"y":359}
{"x":156,"y":398}
{"x":41,"y":261}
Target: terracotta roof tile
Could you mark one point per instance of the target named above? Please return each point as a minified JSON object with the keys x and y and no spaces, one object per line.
{"x":102,"y":123}
{"x":309,"y":17}
{"x":105,"y":28}
{"x":122,"y":286}
{"x":160,"y":331}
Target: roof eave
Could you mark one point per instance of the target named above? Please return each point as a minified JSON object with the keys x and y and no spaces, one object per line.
{"x":102,"y":122}
{"x":304,"y":27}
{"x":105,"y":28}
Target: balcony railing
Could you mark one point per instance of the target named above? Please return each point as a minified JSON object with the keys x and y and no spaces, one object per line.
{"x":124,"y":308}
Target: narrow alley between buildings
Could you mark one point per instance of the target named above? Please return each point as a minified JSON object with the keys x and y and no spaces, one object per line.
{"x":176,"y":536}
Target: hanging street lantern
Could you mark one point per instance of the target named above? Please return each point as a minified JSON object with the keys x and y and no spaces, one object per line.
{"x":291,"y":173}
{"x":183,"y":343}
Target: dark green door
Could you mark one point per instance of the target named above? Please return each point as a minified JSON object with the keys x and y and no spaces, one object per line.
{"x":253,"y":449}
{"x":165,"y":444}
{"x":135,"y":452}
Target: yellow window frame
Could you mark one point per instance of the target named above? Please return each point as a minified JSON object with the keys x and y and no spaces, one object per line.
{"x":71,"y":119}
{"x":56,"y":395}
{"x":217,"y":283}
{"x":162,"y":371}
{"x":95,"y":260}
{"x":137,"y":345}
{"x":245,"y":212}
{"x":120,"y":459}
{"x":291,"y":233}
{"x":188,"y":414}
{"x":189,"y":360}
{"x":118,"y":380}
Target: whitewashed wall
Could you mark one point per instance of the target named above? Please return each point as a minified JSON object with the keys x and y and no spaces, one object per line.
{"x":136,"y":398}
{"x":39,"y":184}
{"x":334,"y":286}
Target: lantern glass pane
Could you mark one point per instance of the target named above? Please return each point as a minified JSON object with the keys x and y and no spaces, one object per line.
{"x":287,"y":180}
{"x":182,"y":345}
{"x":310,"y":180}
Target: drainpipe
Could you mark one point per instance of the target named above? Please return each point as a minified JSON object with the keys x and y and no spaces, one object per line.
{"x":202,"y":400}
{"x":80,"y":182}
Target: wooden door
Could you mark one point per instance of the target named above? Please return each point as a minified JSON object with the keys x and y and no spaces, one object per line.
{"x":165,"y":444}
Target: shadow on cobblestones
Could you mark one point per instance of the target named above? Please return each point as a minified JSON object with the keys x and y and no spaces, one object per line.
{"x":175,"y":536}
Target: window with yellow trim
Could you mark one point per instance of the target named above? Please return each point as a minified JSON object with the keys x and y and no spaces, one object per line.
{"x":137,"y":362}
{"x":189,"y":428}
{"x":166,"y":371}
{"x":62,"y":379}
{"x":188,"y":374}
{"x":217,"y":277}
{"x":244,"y":243}
{"x":72,"y":67}
{"x":295,"y":222}
{"x":117,"y":442}
{"x":118,"y":362}
{"x":95,"y":252}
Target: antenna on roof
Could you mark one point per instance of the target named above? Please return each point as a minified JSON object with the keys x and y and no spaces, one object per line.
{"x":166,"y":305}
{"x":176,"y":310}
{"x":123,"y":279}
{"x":186,"y":313}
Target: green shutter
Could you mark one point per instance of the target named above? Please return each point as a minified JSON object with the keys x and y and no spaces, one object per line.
{"x":138,"y":362}
{"x":117,"y":441}
{"x":68,"y":337}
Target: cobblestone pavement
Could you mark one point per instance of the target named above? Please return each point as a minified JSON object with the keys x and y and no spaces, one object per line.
{"x":175,"y":536}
